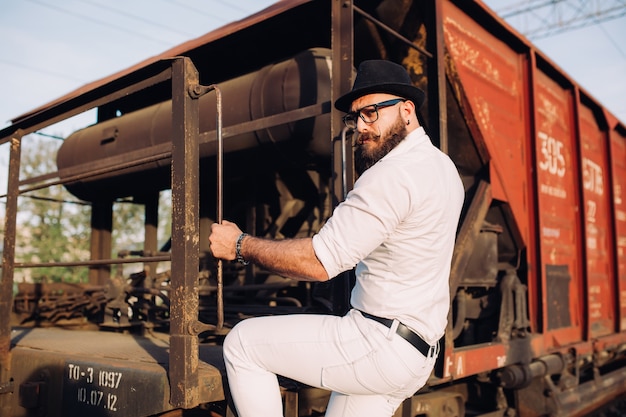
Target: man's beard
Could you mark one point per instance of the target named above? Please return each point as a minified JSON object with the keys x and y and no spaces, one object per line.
{"x":364,"y":159}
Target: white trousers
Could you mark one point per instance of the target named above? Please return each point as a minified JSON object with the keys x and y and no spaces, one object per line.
{"x":369,"y":369}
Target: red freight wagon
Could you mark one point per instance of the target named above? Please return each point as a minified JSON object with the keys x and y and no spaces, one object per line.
{"x":537,"y":322}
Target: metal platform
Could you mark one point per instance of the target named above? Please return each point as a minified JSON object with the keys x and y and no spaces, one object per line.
{"x":69,"y":373}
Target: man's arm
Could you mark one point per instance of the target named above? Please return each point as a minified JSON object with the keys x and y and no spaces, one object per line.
{"x":293,"y":258}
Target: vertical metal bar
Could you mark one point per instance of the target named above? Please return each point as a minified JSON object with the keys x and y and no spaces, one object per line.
{"x":342,"y":40}
{"x":342,"y":77}
{"x":151,"y":226}
{"x":183,"y":371}
{"x":220,"y":203}
{"x":437,"y":83}
{"x":8,"y":265}
{"x":101,"y":244}
{"x":344,"y":163}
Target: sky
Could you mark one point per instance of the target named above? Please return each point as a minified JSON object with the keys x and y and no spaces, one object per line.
{"x":51,"y":47}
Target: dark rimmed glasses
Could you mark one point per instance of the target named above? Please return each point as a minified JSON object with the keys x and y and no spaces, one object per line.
{"x":369,"y":114}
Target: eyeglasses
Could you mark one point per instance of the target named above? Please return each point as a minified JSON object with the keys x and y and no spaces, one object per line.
{"x":369,"y":114}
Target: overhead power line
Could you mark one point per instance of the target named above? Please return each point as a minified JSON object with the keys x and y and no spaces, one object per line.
{"x":100,"y":22}
{"x":542,"y":18}
{"x":44,"y":71}
{"x":139,"y":18}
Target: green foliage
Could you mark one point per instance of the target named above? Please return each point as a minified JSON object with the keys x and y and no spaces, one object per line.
{"x":52,"y":225}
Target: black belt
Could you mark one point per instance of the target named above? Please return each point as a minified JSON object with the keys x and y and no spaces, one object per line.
{"x":404,"y":332}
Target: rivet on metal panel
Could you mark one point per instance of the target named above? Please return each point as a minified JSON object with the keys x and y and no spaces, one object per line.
{"x":197,"y":91}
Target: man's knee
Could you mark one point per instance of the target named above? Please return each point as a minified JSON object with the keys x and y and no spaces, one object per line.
{"x":232,"y":344}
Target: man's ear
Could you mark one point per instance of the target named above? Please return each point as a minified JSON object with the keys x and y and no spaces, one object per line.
{"x":408,"y":107}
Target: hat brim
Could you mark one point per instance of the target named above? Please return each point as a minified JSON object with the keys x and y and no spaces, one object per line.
{"x":409,"y":92}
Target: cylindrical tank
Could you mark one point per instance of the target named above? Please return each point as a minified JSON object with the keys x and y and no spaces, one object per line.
{"x":301,"y":81}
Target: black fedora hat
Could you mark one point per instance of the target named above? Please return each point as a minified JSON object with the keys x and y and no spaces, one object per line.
{"x":380,"y":76}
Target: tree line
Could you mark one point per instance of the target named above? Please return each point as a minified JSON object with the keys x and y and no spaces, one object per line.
{"x":54,"y":226}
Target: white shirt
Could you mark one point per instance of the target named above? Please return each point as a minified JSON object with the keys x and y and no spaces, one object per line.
{"x":398,"y":226}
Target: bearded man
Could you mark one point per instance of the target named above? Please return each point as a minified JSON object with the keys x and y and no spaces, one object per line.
{"x":397,"y":227}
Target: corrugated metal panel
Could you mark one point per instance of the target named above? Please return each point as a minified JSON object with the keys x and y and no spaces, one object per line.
{"x":558,"y":209}
{"x":598,"y":234}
